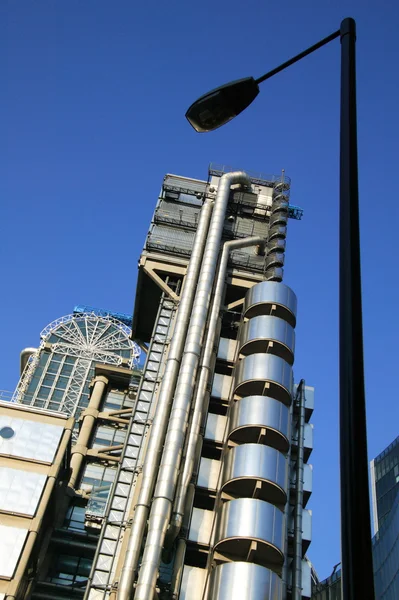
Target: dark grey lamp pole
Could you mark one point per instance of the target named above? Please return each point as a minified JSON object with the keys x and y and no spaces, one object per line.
{"x":213,"y":110}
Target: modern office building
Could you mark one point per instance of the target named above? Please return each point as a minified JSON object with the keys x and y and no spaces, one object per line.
{"x":385,"y":503}
{"x":61,"y":436}
{"x":384,"y":471}
{"x":193,"y":481}
{"x":385,"y":499}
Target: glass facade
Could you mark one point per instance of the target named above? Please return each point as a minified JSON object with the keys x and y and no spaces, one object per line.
{"x":117,"y":400}
{"x":329,"y":589}
{"x":385,"y":472}
{"x":386,"y":556}
{"x":385,"y":492}
{"x":52,"y":380}
{"x":57,"y":376}
{"x":97,"y":480}
{"x":69,"y":570}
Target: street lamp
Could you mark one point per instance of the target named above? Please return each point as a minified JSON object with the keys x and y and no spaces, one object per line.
{"x":213,"y":110}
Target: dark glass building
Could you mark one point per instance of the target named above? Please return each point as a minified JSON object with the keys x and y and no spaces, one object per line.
{"x":385,"y":498}
{"x":385,"y":482}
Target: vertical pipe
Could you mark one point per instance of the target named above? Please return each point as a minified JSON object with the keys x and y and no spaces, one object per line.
{"x":178,"y":569}
{"x":158,"y":429}
{"x":170,"y":463}
{"x":285,"y":571}
{"x":203,"y":380}
{"x":297,"y":561}
{"x":90,"y":415}
{"x":357,"y":564}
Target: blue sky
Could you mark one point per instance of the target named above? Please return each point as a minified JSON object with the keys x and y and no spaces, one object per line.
{"x":93,"y":103}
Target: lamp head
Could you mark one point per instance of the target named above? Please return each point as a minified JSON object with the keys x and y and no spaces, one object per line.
{"x":219,"y":106}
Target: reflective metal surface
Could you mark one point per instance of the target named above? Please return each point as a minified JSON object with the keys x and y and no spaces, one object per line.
{"x":215,"y":427}
{"x":12,"y":540}
{"x":221,"y":386}
{"x":31,"y":439}
{"x":260,"y":298}
{"x":257,"y":333}
{"x":306,"y":527}
{"x":192,"y":584}
{"x":307,"y":591}
{"x":307,"y":482}
{"x":244,"y":581}
{"x":247,"y":466}
{"x":201,"y":526}
{"x":208,"y":474}
{"x":245,"y":520}
{"x":226,"y":349}
{"x":265,"y":375}
{"x":20,"y":491}
{"x":308,"y":441}
{"x":252,"y":414}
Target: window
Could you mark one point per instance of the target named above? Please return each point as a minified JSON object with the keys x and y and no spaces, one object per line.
{"x":69,"y":570}
{"x":98,"y":481}
{"x":97,"y":476}
{"x":108,"y":436}
{"x":75,"y":518}
{"x":117,"y":400}
{"x":7,"y":433}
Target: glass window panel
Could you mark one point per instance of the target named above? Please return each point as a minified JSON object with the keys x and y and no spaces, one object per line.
{"x":128,"y":402}
{"x":54,"y":406}
{"x":113,"y":400}
{"x":39,"y":403}
{"x":57,"y":395}
{"x":62,"y":383}
{"x":75,"y":518}
{"x":66,"y":369}
{"x":49,"y":379}
{"x":69,"y":570}
{"x":44,"y":392}
{"x":53,"y":367}
{"x":84,"y":401}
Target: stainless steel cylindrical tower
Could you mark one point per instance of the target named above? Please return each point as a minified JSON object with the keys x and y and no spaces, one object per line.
{"x":250,"y":534}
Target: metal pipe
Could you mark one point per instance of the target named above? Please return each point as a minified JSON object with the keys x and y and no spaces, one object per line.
{"x":357,"y":560}
{"x":171,"y":457}
{"x":178,"y":569}
{"x":297,"y":561}
{"x":168,"y":384}
{"x":26,"y":353}
{"x":90,"y":416}
{"x":287,"y":507}
{"x":299,"y":56}
{"x":201,"y":396}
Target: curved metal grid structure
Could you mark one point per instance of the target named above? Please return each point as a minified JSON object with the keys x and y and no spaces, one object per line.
{"x":94,"y":337}
{"x":58,"y":378}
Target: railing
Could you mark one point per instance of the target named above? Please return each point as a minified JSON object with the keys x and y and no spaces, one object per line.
{"x":257,"y":178}
{"x":294,"y":212}
{"x":6,"y":396}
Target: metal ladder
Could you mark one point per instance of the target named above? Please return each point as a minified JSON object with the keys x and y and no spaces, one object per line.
{"x":119,"y":504}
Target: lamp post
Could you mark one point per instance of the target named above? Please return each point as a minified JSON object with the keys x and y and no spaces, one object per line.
{"x":213,"y":110}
